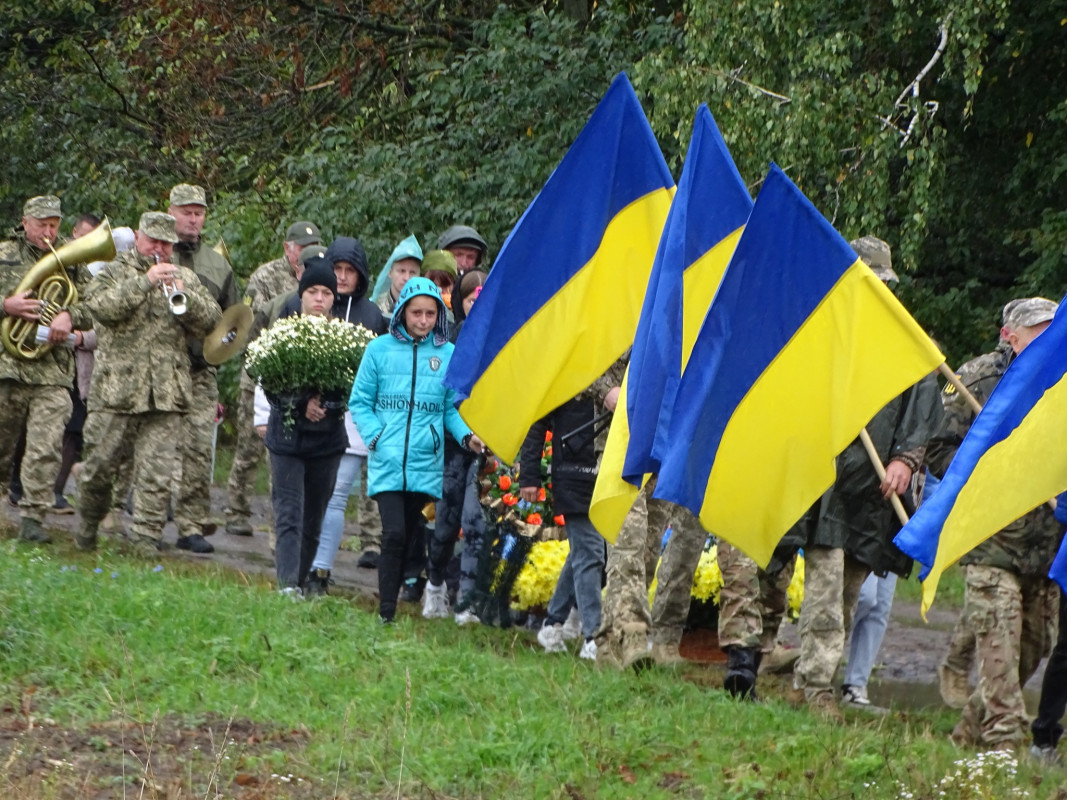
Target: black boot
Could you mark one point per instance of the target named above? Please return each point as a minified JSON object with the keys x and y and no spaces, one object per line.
{"x":741,"y":666}
{"x":318,"y":583}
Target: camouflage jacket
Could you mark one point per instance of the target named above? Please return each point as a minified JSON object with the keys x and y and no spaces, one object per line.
{"x":1028,"y":545}
{"x":852,"y":514}
{"x":55,"y":367}
{"x":217,"y":277}
{"x":269,"y":281}
{"x":142,"y":363}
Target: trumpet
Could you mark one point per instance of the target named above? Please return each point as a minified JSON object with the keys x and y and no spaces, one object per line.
{"x":175,"y":296}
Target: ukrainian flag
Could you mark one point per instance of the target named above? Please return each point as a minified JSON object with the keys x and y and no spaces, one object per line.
{"x":1018,"y":442}
{"x":702,"y":230}
{"x":800,"y":349}
{"x":563,"y":298}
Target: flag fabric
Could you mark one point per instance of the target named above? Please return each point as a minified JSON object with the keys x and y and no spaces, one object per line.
{"x":562,"y":301}
{"x":1020,"y":433}
{"x":702,"y":229}
{"x":800,"y":349}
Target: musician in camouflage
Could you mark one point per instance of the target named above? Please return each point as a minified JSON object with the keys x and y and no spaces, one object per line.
{"x":274,"y":279}
{"x":141,"y":388}
{"x":35,"y":394}
{"x":192,"y":509}
{"x":1009,"y":602}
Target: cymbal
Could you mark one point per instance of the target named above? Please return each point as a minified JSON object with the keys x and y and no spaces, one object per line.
{"x":229,"y":336}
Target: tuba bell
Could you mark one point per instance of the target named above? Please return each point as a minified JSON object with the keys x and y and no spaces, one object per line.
{"x":47,"y":281}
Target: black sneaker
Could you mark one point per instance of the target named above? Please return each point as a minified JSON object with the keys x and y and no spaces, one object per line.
{"x":62,"y":506}
{"x":412,"y":590}
{"x":369,"y":560}
{"x":318,"y":583}
{"x":195,"y":544}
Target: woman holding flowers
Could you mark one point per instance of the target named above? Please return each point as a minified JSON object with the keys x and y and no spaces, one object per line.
{"x":305,"y":365}
{"x":402,"y":409}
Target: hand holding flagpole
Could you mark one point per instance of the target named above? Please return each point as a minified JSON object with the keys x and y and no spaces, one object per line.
{"x":876,"y":460}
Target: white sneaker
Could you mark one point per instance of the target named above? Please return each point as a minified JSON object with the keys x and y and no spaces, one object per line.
{"x":435,"y":602}
{"x":550,"y":637}
{"x":572,"y":628}
{"x":292,"y":592}
{"x":854,"y":696}
{"x":588,"y":650}
{"x":467,"y":618}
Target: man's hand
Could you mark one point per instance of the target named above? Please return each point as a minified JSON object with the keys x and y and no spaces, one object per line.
{"x":897,"y":479}
{"x":315,"y":410}
{"x":611,"y":399}
{"x":163,"y":272}
{"x":23,"y":306}
{"x":61,"y":328}
{"x":528,"y":493}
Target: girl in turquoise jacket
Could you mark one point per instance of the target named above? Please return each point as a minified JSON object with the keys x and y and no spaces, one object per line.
{"x":401,"y":408}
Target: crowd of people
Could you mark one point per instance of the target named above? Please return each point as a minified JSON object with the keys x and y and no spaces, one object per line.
{"x":121,"y":369}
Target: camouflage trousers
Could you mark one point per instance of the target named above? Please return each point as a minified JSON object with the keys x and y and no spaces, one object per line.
{"x":752,"y":603}
{"x":192,"y":508}
{"x":960,"y":657}
{"x":43,"y":412}
{"x":630,"y":568}
{"x":148,"y":442}
{"x":247,"y":454}
{"x":832,"y":582}
{"x":1013,"y":620}
{"x":674,"y":580}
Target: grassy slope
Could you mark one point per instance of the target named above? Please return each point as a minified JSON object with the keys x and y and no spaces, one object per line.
{"x":490,"y":715}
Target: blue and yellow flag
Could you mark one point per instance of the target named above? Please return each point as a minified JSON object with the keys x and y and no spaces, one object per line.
{"x":562,"y":301}
{"x":1011,"y":461}
{"x":800,"y":349}
{"x":704,"y":224}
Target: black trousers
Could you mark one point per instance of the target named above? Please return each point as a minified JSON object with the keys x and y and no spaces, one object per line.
{"x":1046,"y":727}
{"x":403,"y":542}
{"x":300,"y":490}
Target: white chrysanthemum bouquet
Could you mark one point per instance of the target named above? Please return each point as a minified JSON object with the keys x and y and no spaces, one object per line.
{"x":303,"y":355}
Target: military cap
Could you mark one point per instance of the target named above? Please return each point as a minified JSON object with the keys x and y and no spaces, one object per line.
{"x":303,"y":233}
{"x":45,"y":206}
{"x":159,"y":226}
{"x":440,"y":260}
{"x":1032,"y":311}
{"x":185,"y":194}
{"x":310,"y":252}
{"x":1005,"y":314}
{"x":875,"y":254}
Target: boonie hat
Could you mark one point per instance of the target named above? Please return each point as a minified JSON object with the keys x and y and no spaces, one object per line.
{"x":875,"y":254}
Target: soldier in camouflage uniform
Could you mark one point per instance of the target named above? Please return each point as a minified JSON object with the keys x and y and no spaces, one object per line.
{"x":626,"y":620}
{"x":273,"y":279}
{"x":192,"y":509}
{"x":35,"y":395}
{"x":849,"y":532}
{"x":752,"y":603}
{"x":1009,"y":603}
{"x":954,"y":672}
{"x":141,"y":387}
{"x":674,"y":586}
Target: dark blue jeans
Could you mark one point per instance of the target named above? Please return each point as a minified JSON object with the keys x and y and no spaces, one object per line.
{"x":458,"y":507}
{"x":300,"y":490}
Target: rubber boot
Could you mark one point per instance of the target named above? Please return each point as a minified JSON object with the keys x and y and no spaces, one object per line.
{"x":740,"y":680}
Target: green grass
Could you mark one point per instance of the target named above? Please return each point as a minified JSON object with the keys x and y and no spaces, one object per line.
{"x":475,"y":712}
{"x":949,"y":588}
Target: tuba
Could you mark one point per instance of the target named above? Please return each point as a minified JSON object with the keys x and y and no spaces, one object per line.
{"x":47,"y":280}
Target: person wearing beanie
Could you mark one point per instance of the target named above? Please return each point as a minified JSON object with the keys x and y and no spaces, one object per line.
{"x":402,"y":409}
{"x":440,"y":267}
{"x":269,"y":281}
{"x":305,"y":455}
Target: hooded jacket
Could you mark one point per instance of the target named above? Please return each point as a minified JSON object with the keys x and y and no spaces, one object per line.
{"x":401,"y":405}
{"x":409,"y":248}
{"x":355,"y":308}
